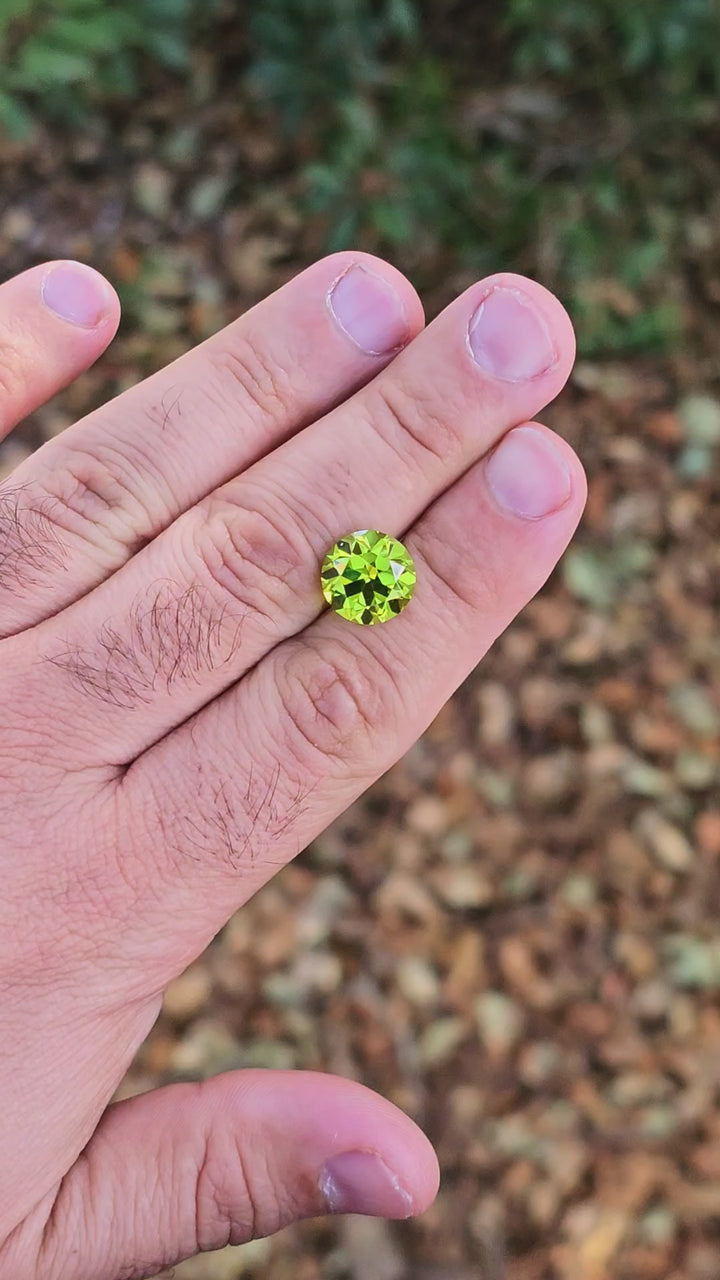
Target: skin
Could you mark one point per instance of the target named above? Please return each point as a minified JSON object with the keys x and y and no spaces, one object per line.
{"x":181,"y":715}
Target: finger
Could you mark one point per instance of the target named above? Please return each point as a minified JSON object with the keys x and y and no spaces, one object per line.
{"x":55,"y":320}
{"x":191,"y":1167}
{"x":213,"y":810}
{"x":103,"y":488}
{"x":238,"y":573}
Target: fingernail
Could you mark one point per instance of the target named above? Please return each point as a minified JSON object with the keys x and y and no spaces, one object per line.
{"x":76,"y":293}
{"x":361,"y":1182}
{"x":369,"y":311}
{"x":527,"y":475}
{"x":509,"y":338}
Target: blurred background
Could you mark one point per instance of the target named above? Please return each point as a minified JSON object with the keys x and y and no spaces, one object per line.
{"x":514,"y":935}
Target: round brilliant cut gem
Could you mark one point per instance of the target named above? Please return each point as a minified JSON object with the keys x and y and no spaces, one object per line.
{"x":368,"y":577}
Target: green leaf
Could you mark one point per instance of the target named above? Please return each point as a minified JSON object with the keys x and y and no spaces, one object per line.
{"x":392,"y":220}
{"x":87,"y":8}
{"x":165,"y":12}
{"x":15,"y":119}
{"x":403,"y":18}
{"x":344,"y":231}
{"x":324,"y":182}
{"x":42,"y":66}
{"x":119,"y":77}
{"x":102,"y":33}
{"x":170,"y":48}
{"x":360,"y":118}
{"x":11,"y":10}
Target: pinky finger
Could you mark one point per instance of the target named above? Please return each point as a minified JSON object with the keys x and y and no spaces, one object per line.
{"x":55,"y":320}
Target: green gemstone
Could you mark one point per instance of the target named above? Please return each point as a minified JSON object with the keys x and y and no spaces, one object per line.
{"x":368,"y":577}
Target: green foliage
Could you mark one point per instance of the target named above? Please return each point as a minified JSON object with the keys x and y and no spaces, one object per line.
{"x":388,"y":160}
{"x":612,"y":41}
{"x":318,"y":56}
{"x":63,"y":57}
{"x":427,"y":157}
{"x":351,"y":81}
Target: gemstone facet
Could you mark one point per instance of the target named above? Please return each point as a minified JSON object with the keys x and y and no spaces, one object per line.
{"x":368,"y":577}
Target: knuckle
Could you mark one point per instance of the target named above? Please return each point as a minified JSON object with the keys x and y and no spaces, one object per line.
{"x":86,"y":497}
{"x":29,"y":542}
{"x":255,"y":559}
{"x":87,"y":486}
{"x":236,"y":1200}
{"x":416,"y":419}
{"x":213,"y":1212}
{"x":223,"y":835}
{"x":260,"y":381}
{"x":334,"y":703}
{"x":242,"y":812}
{"x":169,"y":635}
{"x":230,"y":815}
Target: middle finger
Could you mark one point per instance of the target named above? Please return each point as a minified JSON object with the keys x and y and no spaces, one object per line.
{"x":192,"y":612}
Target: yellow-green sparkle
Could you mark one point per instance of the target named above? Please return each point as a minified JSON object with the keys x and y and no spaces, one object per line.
{"x":368,"y":577}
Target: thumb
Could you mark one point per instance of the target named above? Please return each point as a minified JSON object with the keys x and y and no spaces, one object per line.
{"x":192,"y":1167}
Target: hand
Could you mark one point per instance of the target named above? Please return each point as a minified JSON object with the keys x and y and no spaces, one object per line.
{"x":179,"y":715}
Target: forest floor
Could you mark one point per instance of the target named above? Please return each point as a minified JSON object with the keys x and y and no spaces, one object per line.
{"x":514,"y":934}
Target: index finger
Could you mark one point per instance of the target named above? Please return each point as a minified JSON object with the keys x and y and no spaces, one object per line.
{"x":55,"y":320}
